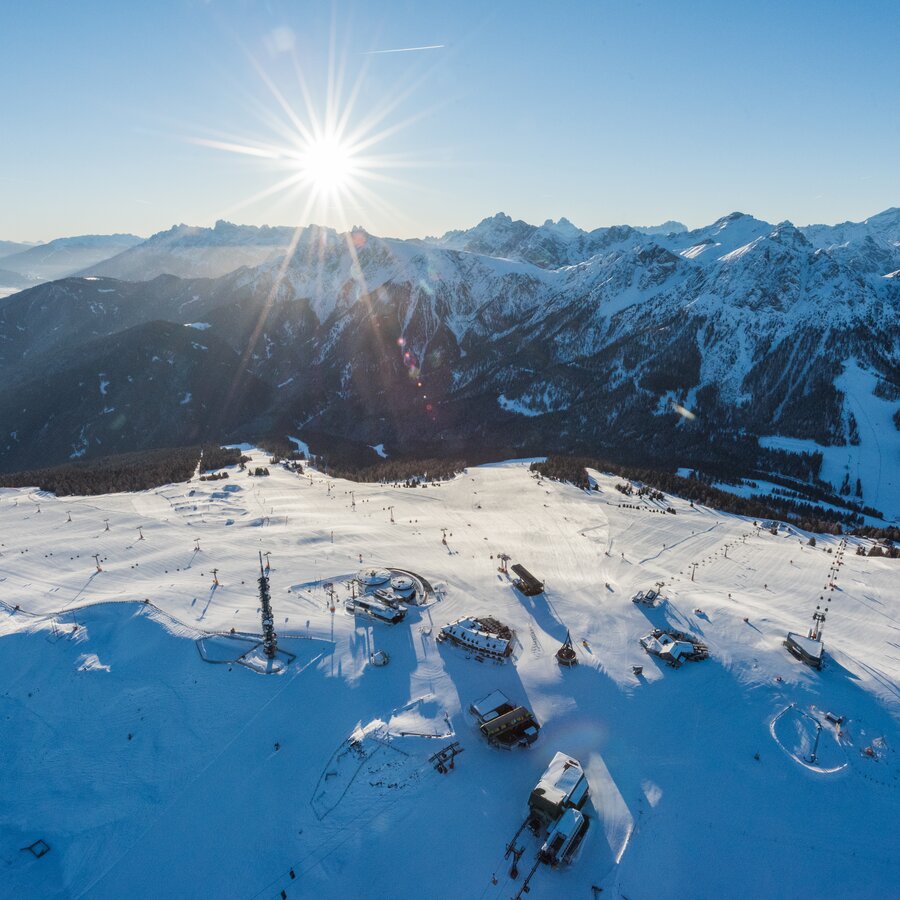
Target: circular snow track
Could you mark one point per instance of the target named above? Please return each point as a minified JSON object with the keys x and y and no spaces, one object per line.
{"x":812,"y":743}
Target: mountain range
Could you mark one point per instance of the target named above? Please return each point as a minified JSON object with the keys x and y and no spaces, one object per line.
{"x":743,"y":346}
{"x":63,"y":256}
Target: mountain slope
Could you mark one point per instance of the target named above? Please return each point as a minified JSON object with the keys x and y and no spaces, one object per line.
{"x":677,"y":349}
{"x":64,"y":256}
{"x":191,"y":252}
{"x":154,"y":385}
{"x":7,"y":248}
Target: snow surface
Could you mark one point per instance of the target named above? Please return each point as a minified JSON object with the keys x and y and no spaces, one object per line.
{"x":151,"y":773}
{"x":875,"y":461}
{"x":302,"y":446}
{"x":516,"y":406}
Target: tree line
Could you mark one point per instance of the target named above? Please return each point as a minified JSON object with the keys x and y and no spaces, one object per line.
{"x":805,"y":515}
{"x":139,"y":471}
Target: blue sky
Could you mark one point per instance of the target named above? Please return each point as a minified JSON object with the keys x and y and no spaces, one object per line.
{"x":603,"y":112}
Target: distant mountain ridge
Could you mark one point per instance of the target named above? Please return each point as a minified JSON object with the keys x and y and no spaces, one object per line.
{"x":873,"y":243}
{"x":193,"y":252}
{"x":7,"y":248}
{"x":200,"y":252}
{"x":65,"y":256}
{"x":734,"y":346}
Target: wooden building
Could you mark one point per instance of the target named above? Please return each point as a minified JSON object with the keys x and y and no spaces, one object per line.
{"x":526,"y":582}
{"x":504,"y":724}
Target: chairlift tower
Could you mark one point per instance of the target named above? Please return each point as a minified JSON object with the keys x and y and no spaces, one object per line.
{"x":819,"y":618}
{"x":270,"y":639}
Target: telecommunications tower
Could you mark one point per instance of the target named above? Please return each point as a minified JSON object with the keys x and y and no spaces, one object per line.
{"x":270,"y":639}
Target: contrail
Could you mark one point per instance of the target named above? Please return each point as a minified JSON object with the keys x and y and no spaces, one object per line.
{"x":406,"y":49}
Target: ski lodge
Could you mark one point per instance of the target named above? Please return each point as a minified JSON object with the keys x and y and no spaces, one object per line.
{"x":503,"y":724}
{"x":673,"y":646}
{"x":526,"y":582}
{"x":485,"y":636}
{"x":563,"y":786}
{"x":563,"y":838}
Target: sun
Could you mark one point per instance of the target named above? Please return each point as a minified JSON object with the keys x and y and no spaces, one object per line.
{"x":327,"y":164}
{"x":328,"y":158}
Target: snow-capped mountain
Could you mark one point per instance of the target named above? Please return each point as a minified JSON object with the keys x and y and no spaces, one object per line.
{"x":885,"y":227}
{"x":670,"y":226}
{"x":677,"y":349}
{"x":872,"y":247}
{"x":65,"y":256}
{"x":191,"y":252}
{"x":549,"y":246}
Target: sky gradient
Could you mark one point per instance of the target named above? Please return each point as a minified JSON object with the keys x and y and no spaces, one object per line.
{"x":602,"y":112}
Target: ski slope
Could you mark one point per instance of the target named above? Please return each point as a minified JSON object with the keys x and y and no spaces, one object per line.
{"x":875,"y":460}
{"x":152,"y":773}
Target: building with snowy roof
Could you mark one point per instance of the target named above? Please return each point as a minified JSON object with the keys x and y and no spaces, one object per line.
{"x":484,"y":636}
{"x":373,"y":578}
{"x":562,"y":786}
{"x":806,"y":649}
{"x":503,"y":723}
{"x":371,"y":606}
{"x":673,"y":646}
{"x":563,"y":838}
{"x":667,"y":647}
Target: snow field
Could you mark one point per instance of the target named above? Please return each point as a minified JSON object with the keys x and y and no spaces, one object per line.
{"x":199,"y":802}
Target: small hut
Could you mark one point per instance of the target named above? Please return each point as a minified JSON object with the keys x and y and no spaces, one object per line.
{"x":526,"y":582}
{"x":566,"y":655}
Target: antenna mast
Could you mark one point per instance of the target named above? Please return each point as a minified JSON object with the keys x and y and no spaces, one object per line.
{"x":270,"y":639}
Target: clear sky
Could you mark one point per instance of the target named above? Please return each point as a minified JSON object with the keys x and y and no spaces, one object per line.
{"x":603,"y":112}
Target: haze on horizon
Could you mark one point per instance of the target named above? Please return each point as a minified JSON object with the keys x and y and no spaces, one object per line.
{"x":411,"y":121}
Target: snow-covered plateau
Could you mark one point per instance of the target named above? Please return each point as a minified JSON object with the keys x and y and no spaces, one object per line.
{"x":150,"y":771}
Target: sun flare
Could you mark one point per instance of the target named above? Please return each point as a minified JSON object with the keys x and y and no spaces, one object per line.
{"x":327,"y":164}
{"x":329,"y":157}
